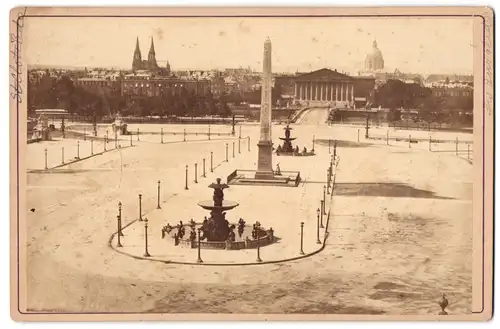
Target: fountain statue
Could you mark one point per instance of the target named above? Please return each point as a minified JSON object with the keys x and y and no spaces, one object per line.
{"x":217,"y":228}
{"x":42,"y":129}
{"x":287,"y":148}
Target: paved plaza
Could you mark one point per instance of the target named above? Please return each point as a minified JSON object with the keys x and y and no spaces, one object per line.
{"x":399,"y":232}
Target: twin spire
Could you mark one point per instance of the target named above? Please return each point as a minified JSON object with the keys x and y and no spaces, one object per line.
{"x":151,"y":48}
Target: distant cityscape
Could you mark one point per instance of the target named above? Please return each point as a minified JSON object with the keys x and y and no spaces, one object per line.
{"x":151,"y":89}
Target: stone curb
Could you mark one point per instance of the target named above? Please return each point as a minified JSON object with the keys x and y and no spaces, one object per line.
{"x":317,"y":251}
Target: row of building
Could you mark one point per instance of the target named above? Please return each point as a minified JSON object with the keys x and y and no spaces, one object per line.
{"x":321,"y":87}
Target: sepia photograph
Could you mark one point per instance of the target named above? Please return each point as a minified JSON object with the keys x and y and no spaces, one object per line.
{"x":251,"y":164}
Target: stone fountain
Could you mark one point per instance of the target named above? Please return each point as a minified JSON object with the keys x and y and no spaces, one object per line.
{"x":217,"y":227}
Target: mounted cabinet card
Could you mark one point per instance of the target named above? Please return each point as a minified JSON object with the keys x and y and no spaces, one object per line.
{"x":251,"y":163}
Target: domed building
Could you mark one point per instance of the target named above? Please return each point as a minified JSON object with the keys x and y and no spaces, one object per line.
{"x":374,"y":60}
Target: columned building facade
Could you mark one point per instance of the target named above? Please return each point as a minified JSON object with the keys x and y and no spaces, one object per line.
{"x":331,"y":88}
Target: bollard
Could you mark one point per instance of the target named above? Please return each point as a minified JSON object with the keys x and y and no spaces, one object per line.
{"x":302,"y":238}
{"x":137,"y":134}
{"x":208,"y":132}
{"x":116,"y":139}
{"x":239,"y":136}
{"x":62,"y":155}
{"x":45,"y":159}
{"x":140,"y":207}
{"x":78,"y":149}
{"x":329,"y":144}
{"x":196,"y":173}
{"x":158,"y":206}
{"x":358,"y":135}
{"x":104,"y":144}
{"x":84,"y":134}
{"x":91,"y":147}
{"x":456,"y":146}
{"x":146,"y":253}
{"x":233,"y":149}
{"x":430,"y":143}
{"x":313,"y":143}
{"x":249,"y":143}
{"x":204,"y":175}
{"x":211,"y":161}
{"x":226,"y":152}
{"x":257,"y":226}
{"x":239,"y":146}
{"x":324,"y":194}
{"x":131,"y":140}
{"x":387,"y":138}
{"x":409,"y":141}
{"x":322,"y":206}
{"x":184,"y":135}
{"x":317,"y":226}
{"x":199,"y":260}
{"x":161,"y":133}
{"x":468,"y":152}
{"x":186,"y":187}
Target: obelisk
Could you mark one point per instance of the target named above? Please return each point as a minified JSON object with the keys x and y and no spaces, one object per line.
{"x":265,"y":145}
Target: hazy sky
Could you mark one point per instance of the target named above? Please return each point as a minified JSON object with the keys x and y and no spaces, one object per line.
{"x":409,"y":44}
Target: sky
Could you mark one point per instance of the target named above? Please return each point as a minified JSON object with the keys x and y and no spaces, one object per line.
{"x":416,"y":45}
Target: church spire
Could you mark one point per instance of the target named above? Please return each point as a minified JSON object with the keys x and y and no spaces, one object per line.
{"x":137,"y":61}
{"x":152,"y":48}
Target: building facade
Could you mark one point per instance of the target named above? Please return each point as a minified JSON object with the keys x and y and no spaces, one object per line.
{"x":374,"y":60}
{"x":329,"y":87}
{"x":145,"y":85}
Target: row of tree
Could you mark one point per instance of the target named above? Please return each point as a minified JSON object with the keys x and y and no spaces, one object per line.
{"x":397,"y":94}
{"x":50,"y":92}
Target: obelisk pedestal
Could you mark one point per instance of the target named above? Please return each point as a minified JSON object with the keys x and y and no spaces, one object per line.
{"x":265,"y":145}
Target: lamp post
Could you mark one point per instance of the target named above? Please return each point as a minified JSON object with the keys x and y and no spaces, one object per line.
{"x":137,"y":134}
{"x":387,"y":138}
{"x":317,"y":231}
{"x":329,"y":144}
{"x":409,"y":141}
{"x":78,"y":149}
{"x":249,"y":143}
{"x":456,"y":146}
{"x":131,"y":140}
{"x":199,"y":260}
{"x":186,"y":186}
{"x":94,"y":123}
{"x":184,"y":135}
{"x":302,"y":238}
{"x":323,"y":207}
{"x":468,"y":151}
{"x":140,"y":207}
{"x":232,"y":129}
{"x":91,"y":147}
{"x":313,"y":143}
{"x":84,"y":134}
{"x":335,"y":148}
{"x":195,"y":172}
{"x":158,"y":206}
{"x":358,"y":135}
{"x":324,"y":197}
{"x":161,"y":133}
{"x":146,"y":253}
{"x":116,"y":139}
{"x":233,"y":149}
{"x":209,"y":132}
{"x":120,"y":232}
{"x":239,"y":136}
{"x":45,"y":159}
{"x":227,"y":147}
{"x":211,"y":161}
{"x":239,"y":145}
{"x":257,"y":227}
{"x":62,"y":155}
{"x":118,"y":242}
{"x":204,"y":175}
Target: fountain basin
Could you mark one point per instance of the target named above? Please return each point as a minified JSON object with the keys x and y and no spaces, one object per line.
{"x":226,"y":205}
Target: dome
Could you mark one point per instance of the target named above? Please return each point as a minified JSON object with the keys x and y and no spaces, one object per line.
{"x":374,"y":60}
